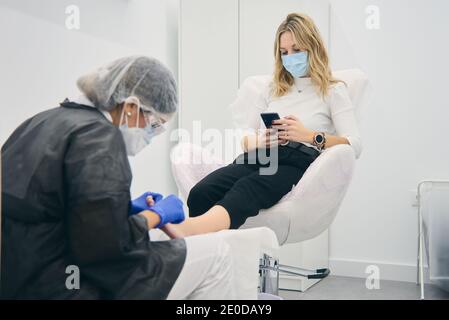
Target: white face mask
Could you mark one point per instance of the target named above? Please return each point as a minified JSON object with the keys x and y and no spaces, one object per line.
{"x":137,"y":138}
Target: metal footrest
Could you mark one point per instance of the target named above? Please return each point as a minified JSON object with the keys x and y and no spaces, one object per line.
{"x":307,"y":273}
{"x":269,"y":270}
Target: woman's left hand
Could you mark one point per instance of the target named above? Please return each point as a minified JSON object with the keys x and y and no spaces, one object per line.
{"x":291,"y":128}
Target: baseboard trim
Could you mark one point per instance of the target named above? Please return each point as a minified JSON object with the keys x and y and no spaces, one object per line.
{"x":388,"y":271}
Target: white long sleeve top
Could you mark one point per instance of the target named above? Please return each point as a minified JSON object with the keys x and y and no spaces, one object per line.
{"x":334,"y":115}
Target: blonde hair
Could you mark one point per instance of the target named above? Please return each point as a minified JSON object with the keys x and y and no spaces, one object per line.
{"x":306,"y":35}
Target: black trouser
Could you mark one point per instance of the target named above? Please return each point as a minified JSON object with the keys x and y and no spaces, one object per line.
{"x":241,"y":188}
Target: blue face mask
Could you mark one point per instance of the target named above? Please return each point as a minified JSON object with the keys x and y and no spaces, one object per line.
{"x":136,"y":138}
{"x":297,"y":64}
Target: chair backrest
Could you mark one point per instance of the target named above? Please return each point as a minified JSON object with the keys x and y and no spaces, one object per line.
{"x":358,"y":87}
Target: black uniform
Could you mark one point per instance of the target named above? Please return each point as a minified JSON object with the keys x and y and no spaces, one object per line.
{"x":65,"y":189}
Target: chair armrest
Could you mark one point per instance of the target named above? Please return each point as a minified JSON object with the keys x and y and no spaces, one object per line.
{"x":320,"y":192}
{"x":332,"y":170}
{"x":312,"y":204}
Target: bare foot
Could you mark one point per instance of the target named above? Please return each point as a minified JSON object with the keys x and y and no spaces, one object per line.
{"x":173,"y":231}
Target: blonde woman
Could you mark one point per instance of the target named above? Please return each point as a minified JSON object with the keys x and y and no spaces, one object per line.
{"x":316,"y":114}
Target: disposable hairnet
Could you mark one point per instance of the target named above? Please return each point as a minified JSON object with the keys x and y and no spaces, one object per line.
{"x":142,"y":77}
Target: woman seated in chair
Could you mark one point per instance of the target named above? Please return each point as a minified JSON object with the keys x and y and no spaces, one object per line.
{"x":316,"y":113}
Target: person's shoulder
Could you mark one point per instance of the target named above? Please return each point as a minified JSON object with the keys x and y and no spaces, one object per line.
{"x":80,"y":114}
{"x":337,"y":90}
{"x":339,"y":86}
{"x":338,"y":96}
{"x":87,"y":120}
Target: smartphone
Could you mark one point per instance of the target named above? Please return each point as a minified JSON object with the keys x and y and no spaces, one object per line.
{"x":268,"y":118}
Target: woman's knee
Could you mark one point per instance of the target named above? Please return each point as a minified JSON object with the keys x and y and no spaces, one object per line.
{"x":198,"y":200}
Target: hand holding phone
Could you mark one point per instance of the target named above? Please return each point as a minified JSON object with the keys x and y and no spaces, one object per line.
{"x":267,"y":138}
{"x":268,"y":118}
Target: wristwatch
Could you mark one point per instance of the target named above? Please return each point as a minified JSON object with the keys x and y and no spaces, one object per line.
{"x":319,"y":140}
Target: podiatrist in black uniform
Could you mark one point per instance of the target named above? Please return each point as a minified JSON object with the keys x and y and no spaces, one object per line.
{"x":66,"y":193}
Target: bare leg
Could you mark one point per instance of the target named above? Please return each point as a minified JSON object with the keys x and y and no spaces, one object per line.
{"x":172,"y":231}
{"x":215,"y":219}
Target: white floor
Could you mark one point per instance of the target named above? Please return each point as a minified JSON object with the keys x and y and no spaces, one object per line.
{"x":342,"y":288}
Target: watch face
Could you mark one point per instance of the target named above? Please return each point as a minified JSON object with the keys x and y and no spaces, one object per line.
{"x":319,"y":138}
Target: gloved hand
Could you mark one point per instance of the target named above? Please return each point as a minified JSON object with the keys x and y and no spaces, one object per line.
{"x":140,"y":204}
{"x":169,"y":210}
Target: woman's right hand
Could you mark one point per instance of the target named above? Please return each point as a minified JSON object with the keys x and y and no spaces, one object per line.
{"x":266,"y":138}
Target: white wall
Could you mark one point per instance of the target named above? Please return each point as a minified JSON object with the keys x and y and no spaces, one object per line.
{"x":208,"y":52}
{"x":403,"y":130}
{"x":40,"y":60}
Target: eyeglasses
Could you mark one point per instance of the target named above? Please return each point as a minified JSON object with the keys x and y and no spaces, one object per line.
{"x":150,"y":117}
{"x":152,"y":120}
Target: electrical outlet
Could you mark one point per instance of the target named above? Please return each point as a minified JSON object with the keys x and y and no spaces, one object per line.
{"x":414,"y":198}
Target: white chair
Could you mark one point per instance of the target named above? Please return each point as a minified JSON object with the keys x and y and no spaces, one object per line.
{"x":310,"y":207}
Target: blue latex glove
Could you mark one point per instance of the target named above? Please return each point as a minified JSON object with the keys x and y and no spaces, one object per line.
{"x":170,"y":210}
{"x":140,"y":204}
